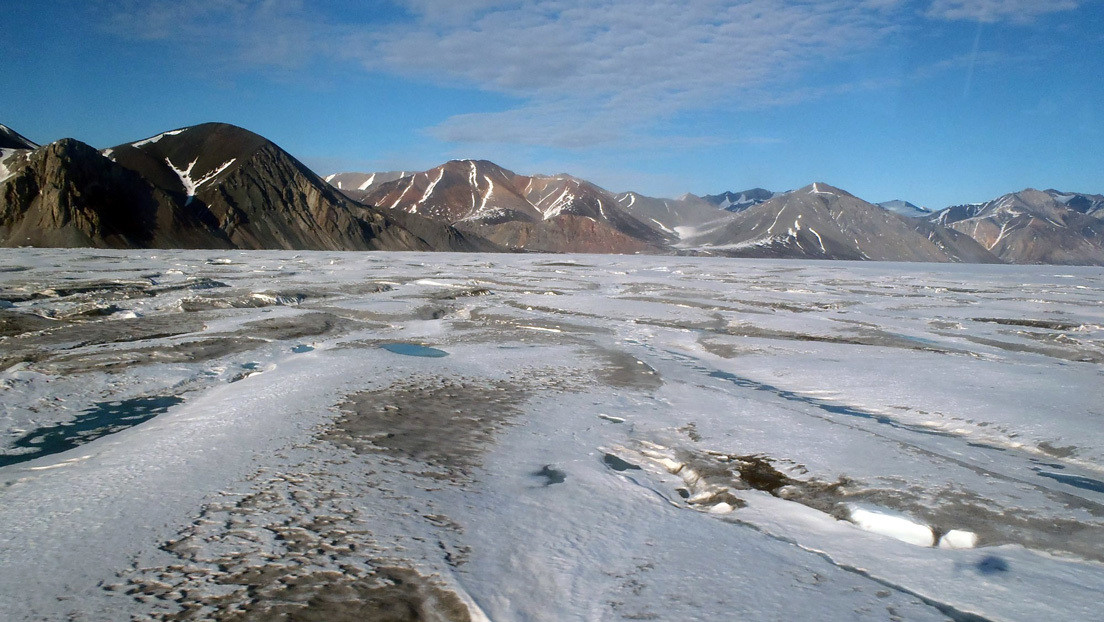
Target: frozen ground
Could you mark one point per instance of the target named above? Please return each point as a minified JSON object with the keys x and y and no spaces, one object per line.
{"x":331,"y":436}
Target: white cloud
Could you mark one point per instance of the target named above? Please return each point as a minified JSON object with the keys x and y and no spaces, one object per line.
{"x":228,"y":34}
{"x":990,"y":11}
{"x":592,"y":72}
{"x":587,"y":71}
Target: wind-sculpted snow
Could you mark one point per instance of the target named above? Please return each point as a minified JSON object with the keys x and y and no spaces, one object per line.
{"x":276,"y":435}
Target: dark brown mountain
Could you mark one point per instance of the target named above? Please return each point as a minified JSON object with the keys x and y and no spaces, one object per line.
{"x":211,"y":185}
{"x":68,"y":194}
{"x":357,"y":185}
{"x":11,"y":139}
{"x":255,"y":193}
{"x":539,"y":213}
{"x":823,"y":222}
{"x":1034,"y":227}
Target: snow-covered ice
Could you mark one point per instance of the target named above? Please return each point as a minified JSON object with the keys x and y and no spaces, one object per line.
{"x":498,"y":437}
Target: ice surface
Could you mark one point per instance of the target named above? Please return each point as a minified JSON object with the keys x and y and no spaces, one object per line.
{"x":897,"y":527}
{"x":607,"y":438}
{"x":958,"y":539}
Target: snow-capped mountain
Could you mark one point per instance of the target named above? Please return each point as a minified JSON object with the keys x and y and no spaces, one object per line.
{"x":821,"y":221}
{"x":906,"y":209}
{"x":556,"y":213}
{"x":739,"y":201}
{"x":1031,"y":226}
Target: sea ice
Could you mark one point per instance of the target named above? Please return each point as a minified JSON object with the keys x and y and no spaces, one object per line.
{"x":608,"y":437}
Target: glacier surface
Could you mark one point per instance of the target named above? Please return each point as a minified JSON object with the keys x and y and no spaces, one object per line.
{"x":257,"y":435}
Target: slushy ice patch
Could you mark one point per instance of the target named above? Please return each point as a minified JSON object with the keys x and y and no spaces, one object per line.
{"x":102,"y":419}
{"x":413,"y":349}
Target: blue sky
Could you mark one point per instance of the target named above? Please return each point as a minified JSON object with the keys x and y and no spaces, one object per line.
{"x":933,"y":101}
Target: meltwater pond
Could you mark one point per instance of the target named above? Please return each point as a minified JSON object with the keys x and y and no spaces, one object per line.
{"x":413,"y":349}
{"x":102,"y":419}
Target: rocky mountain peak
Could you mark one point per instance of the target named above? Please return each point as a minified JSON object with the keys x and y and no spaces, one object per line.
{"x":821,"y":188}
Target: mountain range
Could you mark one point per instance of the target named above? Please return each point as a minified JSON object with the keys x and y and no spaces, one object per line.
{"x":207,"y":186}
{"x":540,"y":213}
{"x":219,"y":186}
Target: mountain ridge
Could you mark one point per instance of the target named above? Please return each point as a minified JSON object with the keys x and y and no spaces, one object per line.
{"x":1032,"y":226}
{"x":548,"y":213}
{"x":215,"y":185}
{"x":825,"y":222}
{"x":211,"y":185}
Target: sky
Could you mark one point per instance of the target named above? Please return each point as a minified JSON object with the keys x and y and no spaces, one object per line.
{"x":937,"y":102}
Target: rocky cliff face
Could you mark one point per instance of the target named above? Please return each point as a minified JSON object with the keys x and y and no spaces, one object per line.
{"x":69,"y":194}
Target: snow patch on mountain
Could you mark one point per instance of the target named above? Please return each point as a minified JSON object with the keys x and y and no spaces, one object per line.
{"x":425,"y":196}
{"x":904,"y":208}
{"x":8,"y":160}
{"x":191,"y":185}
{"x":153,"y":139}
{"x":4,"y":172}
{"x":409,"y":186}
{"x":560,"y":204}
{"x":488,"y":194}
{"x":664,"y":227}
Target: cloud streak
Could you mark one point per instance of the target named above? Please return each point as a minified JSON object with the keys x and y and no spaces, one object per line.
{"x":594,"y":72}
{"x":992,"y":11}
{"x":588,"y":72}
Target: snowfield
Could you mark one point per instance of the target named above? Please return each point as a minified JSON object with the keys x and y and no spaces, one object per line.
{"x":194,"y":435}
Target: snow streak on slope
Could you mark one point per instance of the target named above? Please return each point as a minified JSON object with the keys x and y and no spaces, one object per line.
{"x":9,"y":159}
{"x":154,"y":139}
{"x":425,"y":196}
{"x":192,"y":185}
